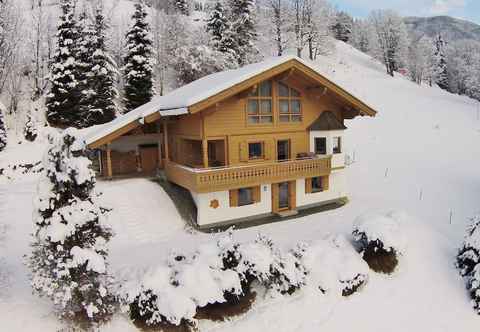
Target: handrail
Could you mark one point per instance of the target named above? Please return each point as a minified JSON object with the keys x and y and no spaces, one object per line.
{"x":224,"y":178}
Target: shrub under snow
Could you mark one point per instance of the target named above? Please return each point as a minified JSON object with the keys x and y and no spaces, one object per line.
{"x":68,"y":261}
{"x":380,"y":240}
{"x":468,"y":260}
{"x":217,"y":274}
{"x":30,"y":130}
{"x":333,"y":265}
{"x":3,"y":129}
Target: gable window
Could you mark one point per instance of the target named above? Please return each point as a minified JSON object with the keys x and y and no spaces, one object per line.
{"x":289,"y":102}
{"x":259,"y":104}
{"x":255,"y":150}
{"x":320,"y":145}
{"x":337,"y":145}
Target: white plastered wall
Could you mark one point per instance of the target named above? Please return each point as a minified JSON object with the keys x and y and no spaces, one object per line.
{"x":338,"y":160}
{"x":209,"y":215}
{"x":337,"y":189}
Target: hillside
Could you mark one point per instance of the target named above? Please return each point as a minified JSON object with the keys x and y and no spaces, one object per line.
{"x":415,"y":157}
{"x":450,"y":28}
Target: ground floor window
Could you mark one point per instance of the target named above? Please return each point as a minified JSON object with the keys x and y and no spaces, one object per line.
{"x":244,"y":196}
{"x":316,"y":184}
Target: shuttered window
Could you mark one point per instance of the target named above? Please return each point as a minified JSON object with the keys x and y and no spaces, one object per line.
{"x":316,"y":184}
{"x":245,"y":196}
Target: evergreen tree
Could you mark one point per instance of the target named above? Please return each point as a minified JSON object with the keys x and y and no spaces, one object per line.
{"x":441,"y":73}
{"x":243,"y":29}
{"x":85,"y":51}
{"x":69,"y":251}
{"x":101,"y":77}
{"x":30,"y":131}
{"x":63,"y":100}
{"x":138,"y":70}
{"x":3,"y":130}
{"x":342,"y":27}
{"x":217,"y":23}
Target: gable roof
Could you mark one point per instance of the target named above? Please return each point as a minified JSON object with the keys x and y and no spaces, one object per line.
{"x":327,"y":121}
{"x":211,"y":89}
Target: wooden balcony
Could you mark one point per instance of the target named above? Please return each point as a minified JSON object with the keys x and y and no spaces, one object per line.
{"x":226,"y":178}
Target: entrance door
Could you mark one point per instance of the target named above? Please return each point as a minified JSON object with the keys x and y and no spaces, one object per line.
{"x":283,"y":196}
{"x":149,"y":158}
{"x":283,"y":150}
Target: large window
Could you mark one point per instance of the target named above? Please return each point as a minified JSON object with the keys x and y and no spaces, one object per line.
{"x":320,"y":145}
{"x":255,"y":150}
{"x":259,"y":104}
{"x":337,"y":145}
{"x":289,"y":102}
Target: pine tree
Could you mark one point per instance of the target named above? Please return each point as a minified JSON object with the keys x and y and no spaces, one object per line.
{"x":30,"y":131}
{"x":243,"y":29}
{"x":63,"y":100}
{"x":217,"y":23}
{"x":85,"y":51}
{"x":441,"y":72}
{"x":342,"y":27}
{"x":3,"y":130}
{"x":138,"y":70}
{"x":101,"y":77}
{"x":69,"y":250}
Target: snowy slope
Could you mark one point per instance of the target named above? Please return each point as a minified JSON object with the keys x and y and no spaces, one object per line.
{"x":419,"y":155}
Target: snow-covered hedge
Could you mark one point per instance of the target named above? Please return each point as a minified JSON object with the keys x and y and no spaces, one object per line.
{"x":333,"y":265}
{"x":219,"y":275}
{"x":380,"y":240}
{"x":468,"y":260}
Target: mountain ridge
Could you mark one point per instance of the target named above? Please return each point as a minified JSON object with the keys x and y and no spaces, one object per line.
{"x":450,"y":28}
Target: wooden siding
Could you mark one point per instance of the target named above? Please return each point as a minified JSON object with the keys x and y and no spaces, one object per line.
{"x":228,"y":178}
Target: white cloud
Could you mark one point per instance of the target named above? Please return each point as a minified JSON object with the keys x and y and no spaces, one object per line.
{"x":442,"y":7}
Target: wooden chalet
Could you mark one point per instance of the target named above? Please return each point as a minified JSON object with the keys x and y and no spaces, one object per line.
{"x":266,"y":138}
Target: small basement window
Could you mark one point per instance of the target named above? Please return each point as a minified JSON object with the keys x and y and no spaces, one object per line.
{"x":320,"y":145}
{"x":255,"y":150}
{"x":337,"y":145}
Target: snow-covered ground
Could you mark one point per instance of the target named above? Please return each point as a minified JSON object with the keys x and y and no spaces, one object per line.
{"x":420,"y":155}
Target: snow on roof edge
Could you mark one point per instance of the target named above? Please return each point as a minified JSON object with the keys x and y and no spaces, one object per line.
{"x":178,"y":101}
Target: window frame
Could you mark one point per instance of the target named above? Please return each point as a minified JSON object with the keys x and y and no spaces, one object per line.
{"x":290,"y":99}
{"x":322,"y":184}
{"x":315,"y":145}
{"x":258,"y":99}
{"x":309,"y":184}
{"x":262,"y":146}
{"x":255,"y":196}
{"x":340,"y":147}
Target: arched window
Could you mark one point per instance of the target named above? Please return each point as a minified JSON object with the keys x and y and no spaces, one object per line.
{"x":259,"y":104}
{"x":290,"y":105}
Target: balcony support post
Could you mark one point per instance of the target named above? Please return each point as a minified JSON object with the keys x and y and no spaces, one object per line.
{"x":205,"y":153}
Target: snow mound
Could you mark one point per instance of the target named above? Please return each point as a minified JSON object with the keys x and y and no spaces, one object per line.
{"x":334,"y":265}
{"x":383,"y":228}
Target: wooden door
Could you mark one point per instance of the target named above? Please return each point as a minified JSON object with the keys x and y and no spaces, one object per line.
{"x":284,"y":196}
{"x":283,"y":150}
{"x":149,"y":158}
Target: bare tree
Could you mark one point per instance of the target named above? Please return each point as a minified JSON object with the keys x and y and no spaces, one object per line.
{"x":280,"y":12}
{"x":10,"y":20}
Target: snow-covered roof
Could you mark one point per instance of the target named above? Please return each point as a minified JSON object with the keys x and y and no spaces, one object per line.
{"x":178,"y":101}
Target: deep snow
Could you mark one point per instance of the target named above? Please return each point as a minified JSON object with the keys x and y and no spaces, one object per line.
{"x":419,"y":155}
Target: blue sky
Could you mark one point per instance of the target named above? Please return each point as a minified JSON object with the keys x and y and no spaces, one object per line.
{"x":466,"y":9}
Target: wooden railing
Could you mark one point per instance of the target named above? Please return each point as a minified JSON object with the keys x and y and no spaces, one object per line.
{"x":225,"y":178}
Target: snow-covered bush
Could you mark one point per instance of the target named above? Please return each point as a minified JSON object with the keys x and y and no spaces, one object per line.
{"x":171,"y":293}
{"x":468,"y":260}
{"x":276,"y":270}
{"x":69,"y":252}
{"x":3,"y":130}
{"x":30,"y":131}
{"x":380,"y":240}
{"x":333,"y":265}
